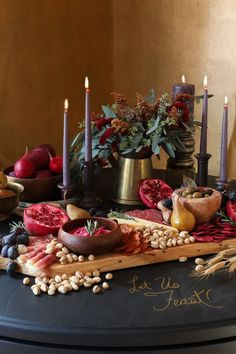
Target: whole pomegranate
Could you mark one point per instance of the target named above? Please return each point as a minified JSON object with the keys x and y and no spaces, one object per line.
{"x":152,"y":190}
{"x":46,"y":147}
{"x":56,"y":164}
{"x":40,"y":158}
{"x":43,"y":174}
{"x":44,"y":219}
{"x":24,"y":167}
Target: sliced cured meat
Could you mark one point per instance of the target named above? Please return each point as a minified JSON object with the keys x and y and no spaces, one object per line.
{"x":38,"y":240}
{"x":45,"y":262}
{"x":153,"y":215}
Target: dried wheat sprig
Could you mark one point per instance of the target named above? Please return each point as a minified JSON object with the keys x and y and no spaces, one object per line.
{"x":211,"y":270}
{"x":228,"y":252}
{"x":212,"y":261}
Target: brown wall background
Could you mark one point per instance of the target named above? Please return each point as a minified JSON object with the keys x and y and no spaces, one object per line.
{"x":47,"y":49}
{"x":49,"y":46}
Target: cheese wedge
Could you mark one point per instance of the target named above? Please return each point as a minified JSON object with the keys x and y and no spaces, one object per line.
{"x":136,"y":222}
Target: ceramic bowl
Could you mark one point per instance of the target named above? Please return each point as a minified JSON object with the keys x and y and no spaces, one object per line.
{"x":202,"y":208}
{"x":36,"y":189}
{"x":8,"y":204}
{"x":92,"y":244}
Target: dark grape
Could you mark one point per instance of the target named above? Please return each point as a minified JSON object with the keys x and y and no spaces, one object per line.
{"x":11,"y":268}
{"x":9,"y":239}
{"x":101,"y":214}
{"x":167,"y":203}
{"x":12,"y":252}
{"x":232,"y":196}
{"x":92,"y":211}
{"x":4,"y":251}
{"x":23,"y":239}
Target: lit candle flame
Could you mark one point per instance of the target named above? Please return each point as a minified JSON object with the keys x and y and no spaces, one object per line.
{"x":226,"y":100}
{"x":183,"y":79}
{"x":66,"y":105}
{"x":86,"y":83}
{"x":205,"y":82}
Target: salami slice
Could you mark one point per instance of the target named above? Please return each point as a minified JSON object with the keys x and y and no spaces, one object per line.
{"x":153,"y":215}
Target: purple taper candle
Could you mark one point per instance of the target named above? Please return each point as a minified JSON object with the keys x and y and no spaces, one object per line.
{"x":203,"y":141}
{"x":88,"y":134}
{"x":66,"y":157}
{"x":224,"y":143}
{"x":184,"y":88}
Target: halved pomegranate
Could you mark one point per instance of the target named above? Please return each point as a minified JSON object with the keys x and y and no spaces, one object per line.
{"x":231,"y":209}
{"x":43,"y":219}
{"x":152,"y":190}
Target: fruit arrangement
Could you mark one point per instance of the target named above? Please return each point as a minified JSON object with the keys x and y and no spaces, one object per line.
{"x":41,"y":162}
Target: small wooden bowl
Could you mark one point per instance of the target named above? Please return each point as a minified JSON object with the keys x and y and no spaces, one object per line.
{"x":36,"y":189}
{"x":8,"y":204}
{"x":202,"y":208}
{"x":92,"y":244}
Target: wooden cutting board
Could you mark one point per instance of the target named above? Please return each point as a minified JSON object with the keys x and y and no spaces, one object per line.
{"x":113,"y":261}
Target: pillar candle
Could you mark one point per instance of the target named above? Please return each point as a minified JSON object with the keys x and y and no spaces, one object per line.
{"x":203,"y":140}
{"x":88,"y":134}
{"x":66,"y":156}
{"x":185,"y":88}
{"x":224,"y":143}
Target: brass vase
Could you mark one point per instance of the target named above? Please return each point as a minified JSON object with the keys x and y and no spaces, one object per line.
{"x":129,"y":173}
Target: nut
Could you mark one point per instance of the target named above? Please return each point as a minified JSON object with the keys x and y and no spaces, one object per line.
{"x":36,"y":290}
{"x":75,"y":257}
{"x":183,"y":234}
{"x":96,"y":289}
{"x":59,"y":245}
{"x":91,"y":257}
{"x":109,"y":276}
{"x":65,"y":250}
{"x":199,"y":261}
{"x":26,"y":281}
{"x":96,"y":273}
{"x":183,"y":259}
{"x":62,"y":289}
{"x":50,"y":249}
{"x":81,"y":258}
{"x":74,"y":286}
{"x":199,"y":267}
{"x":105,"y":285}
{"x":60,"y":254}
{"x":69,"y":258}
{"x":57,"y":278}
{"x":97,"y":279}
{"x":44,"y":288}
{"x":64,"y":277}
{"x":79,"y":274}
{"x":51,"y":291}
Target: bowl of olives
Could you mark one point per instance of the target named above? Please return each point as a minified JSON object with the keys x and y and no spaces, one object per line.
{"x":202,"y":202}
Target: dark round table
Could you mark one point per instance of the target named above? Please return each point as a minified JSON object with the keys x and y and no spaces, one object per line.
{"x":158,"y":308}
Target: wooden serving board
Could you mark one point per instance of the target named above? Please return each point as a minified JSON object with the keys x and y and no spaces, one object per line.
{"x":114,"y":261}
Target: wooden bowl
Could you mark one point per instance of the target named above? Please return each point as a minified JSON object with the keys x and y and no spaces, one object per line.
{"x":8,"y":204}
{"x":36,"y":189}
{"x":202,"y":208}
{"x":92,"y":244}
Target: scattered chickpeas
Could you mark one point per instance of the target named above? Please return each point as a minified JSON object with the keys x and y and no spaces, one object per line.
{"x":199,"y":267}
{"x":36,"y":290}
{"x":199,"y":261}
{"x":91,"y":257}
{"x":96,"y":289}
{"x":26,"y":281}
{"x":109,"y":276}
{"x":105,"y":285}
